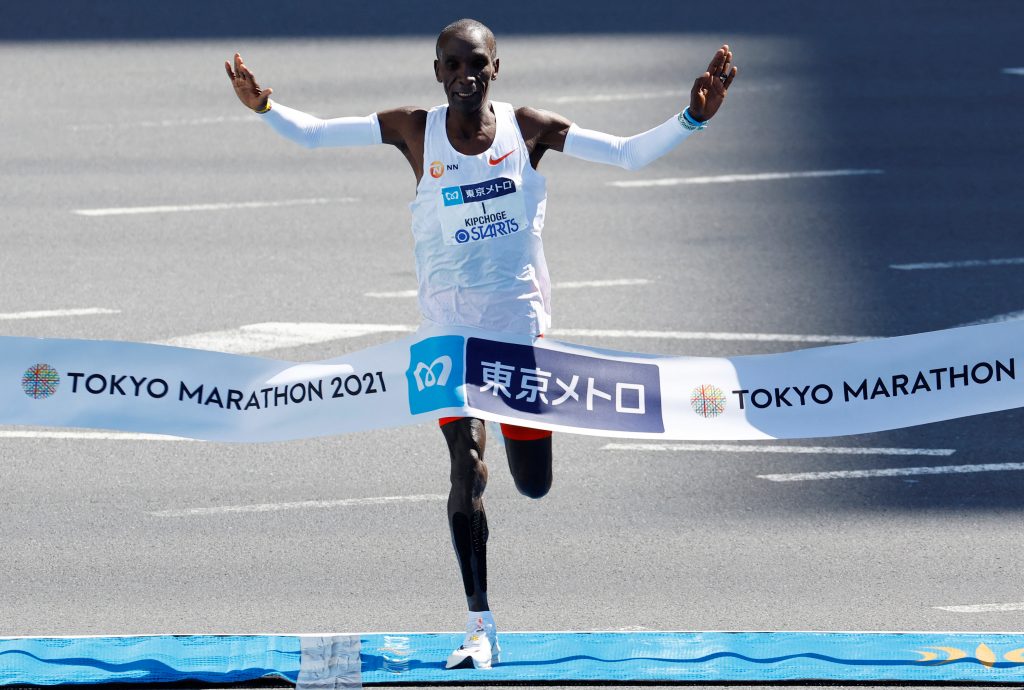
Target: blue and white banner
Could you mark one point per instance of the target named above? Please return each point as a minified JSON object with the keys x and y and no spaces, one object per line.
{"x":828,"y":391}
{"x":333,"y":660}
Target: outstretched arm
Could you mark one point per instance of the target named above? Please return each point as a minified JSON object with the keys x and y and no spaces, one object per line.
{"x":300,"y":127}
{"x":551,"y":131}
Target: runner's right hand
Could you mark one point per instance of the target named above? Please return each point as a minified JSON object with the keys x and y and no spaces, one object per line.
{"x":246,"y":88}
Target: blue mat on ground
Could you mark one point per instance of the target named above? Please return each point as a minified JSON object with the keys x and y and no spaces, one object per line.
{"x":536,"y":657}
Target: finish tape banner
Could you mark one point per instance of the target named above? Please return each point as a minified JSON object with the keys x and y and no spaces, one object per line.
{"x":438,"y":371}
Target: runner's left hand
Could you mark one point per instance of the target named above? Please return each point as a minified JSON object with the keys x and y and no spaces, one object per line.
{"x":709,"y":89}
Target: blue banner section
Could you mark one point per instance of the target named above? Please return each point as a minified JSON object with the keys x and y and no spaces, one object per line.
{"x":536,"y":657}
{"x":563,"y":388}
{"x":435,"y":374}
{"x":148,"y":659}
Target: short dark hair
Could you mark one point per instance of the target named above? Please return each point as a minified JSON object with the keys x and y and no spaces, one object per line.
{"x":467,"y":25}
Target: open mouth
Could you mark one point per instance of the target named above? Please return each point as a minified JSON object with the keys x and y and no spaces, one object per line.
{"x":465,"y":94}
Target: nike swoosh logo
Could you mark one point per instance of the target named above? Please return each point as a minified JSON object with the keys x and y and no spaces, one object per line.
{"x":495,"y":161}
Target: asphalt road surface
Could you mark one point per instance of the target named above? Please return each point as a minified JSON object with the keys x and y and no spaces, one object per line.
{"x":918,"y":111}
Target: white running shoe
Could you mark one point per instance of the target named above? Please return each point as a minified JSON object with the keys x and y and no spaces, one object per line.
{"x":479,"y":648}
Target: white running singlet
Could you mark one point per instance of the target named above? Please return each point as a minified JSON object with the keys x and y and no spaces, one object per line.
{"x":477,"y":222}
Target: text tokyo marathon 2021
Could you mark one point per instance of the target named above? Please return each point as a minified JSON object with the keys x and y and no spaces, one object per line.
{"x":349,"y":385}
{"x":924,"y":381}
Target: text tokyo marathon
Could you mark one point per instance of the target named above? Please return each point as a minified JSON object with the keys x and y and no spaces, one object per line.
{"x":924,"y":381}
{"x":125,"y":385}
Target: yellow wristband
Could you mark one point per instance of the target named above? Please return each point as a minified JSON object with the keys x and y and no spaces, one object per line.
{"x":264,"y":109}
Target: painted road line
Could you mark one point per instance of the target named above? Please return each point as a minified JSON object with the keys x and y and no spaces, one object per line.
{"x":970,"y":263}
{"x":983,"y":608}
{"x":1019,"y":71}
{"x":388,"y":295}
{"x":300,"y":505}
{"x":755,"y":177}
{"x":705,"y":335}
{"x":145,"y":124}
{"x":565,"y":285}
{"x":615,"y":97}
{"x":224,"y":206}
{"x":616,"y":282}
{"x":619,"y":97}
{"x":893,"y":472}
{"x":50,"y":313}
{"x":998,"y":318}
{"x":260,"y":337}
{"x":90,"y":436}
{"x":749,"y":448}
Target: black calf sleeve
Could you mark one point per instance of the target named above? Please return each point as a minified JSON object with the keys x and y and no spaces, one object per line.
{"x":463,"y":538}
{"x":470,"y":537}
{"x":480,"y":534}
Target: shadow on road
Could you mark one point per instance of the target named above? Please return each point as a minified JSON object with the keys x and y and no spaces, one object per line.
{"x":22,"y":20}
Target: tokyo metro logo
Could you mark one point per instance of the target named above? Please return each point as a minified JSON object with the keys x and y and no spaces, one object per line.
{"x":435,"y":373}
{"x":40,"y":381}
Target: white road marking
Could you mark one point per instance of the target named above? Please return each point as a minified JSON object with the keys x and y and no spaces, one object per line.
{"x":260,"y":337}
{"x":190,"y":122}
{"x":644,"y":95}
{"x":983,"y":608}
{"x":754,"y":177}
{"x":396,"y":293}
{"x":750,"y":448}
{"x":703,"y":335}
{"x":299,"y":505}
{"x":90,"y":311}
{"x":970,"y":263}
{"x":91,"y":435}
{"x":615,"y":97}
{"x":225,"y":206}
{"x":615,"y":282}
{"x":1014,"y":70}
{"x":893,"y":472}
{"x":998,"y":318}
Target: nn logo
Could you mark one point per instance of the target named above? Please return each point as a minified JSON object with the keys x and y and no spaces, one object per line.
{"x":435,"y":373}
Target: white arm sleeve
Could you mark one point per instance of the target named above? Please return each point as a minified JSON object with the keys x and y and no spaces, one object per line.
{"x":312,"y":132}
{"x":626,"y":152}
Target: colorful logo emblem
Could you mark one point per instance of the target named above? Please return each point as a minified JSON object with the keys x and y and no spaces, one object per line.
{"x":435,"y":373}
{"x":707,"y":401}
{"x":436,"y":169}
{"x":40,"y":381}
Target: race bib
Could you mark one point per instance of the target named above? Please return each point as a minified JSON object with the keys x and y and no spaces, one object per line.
{"x":482,"y":211}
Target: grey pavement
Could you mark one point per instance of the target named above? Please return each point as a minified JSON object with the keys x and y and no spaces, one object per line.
{"x":625,"y":540}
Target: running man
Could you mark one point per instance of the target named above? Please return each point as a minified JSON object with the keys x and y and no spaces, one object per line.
{"x":494,"y":281}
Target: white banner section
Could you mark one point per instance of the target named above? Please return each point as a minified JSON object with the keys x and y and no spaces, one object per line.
{"x":826,"y":391}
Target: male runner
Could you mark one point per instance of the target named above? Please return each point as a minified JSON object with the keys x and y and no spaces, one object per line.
{"x":496,"y":281}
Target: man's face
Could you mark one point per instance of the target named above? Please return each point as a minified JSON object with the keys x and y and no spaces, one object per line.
{"x":465,"y":68}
